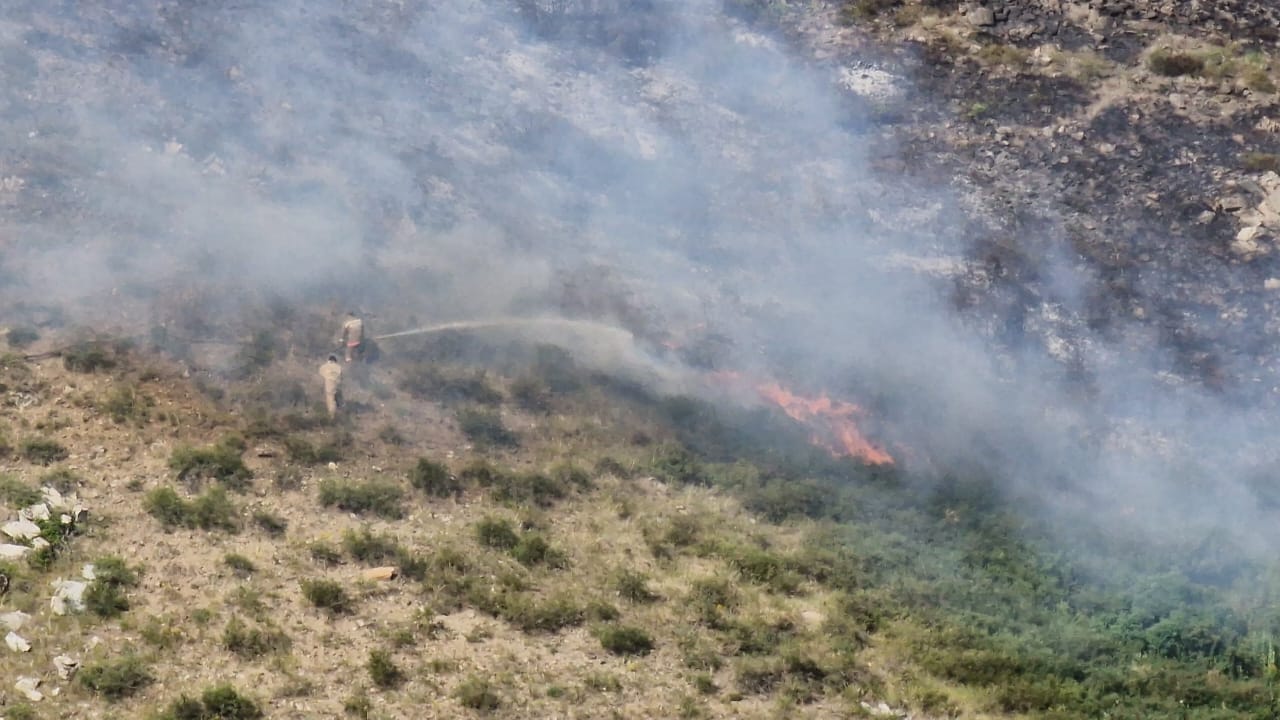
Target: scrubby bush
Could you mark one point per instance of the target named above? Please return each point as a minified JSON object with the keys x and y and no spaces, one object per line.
{"x":366,"y":547}
{"x":533,"y":549}
{"x":21,"y":337}
{"x":478,"y":694}
{"x":117,"y":679}
{"x":88,"y":357}
{"x":624,"y":640}
{"x":222,"y":702}
{"x":126,"y":404}
{"x":271,"y":524}
{"x":434,"y":479}
{"x":1261,"y":162}
{"x":17,"y":494}
{"x":327,"y":595}
{"x":426,"y":381}
{"x":252,"y":642}
{"x":383,"y":671}
{"x":532,"y":394}
{"x":211,"y":511}
{"x":42,"y":451}
{"x":633,"y":586}
{"x":106,"y":596}
{"x":302,"y":451}
{"x":376,"y":497}
{"x":496,"y":533}
{"x":220,"y":463}
{"x":325,"y":554}
{"x":239,"y":564}
{"x":485,"y":427}
{"x":1174,"y":64}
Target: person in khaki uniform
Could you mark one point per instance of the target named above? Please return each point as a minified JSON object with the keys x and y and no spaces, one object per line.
{"x":331,"y":373}
{"x":353,"y":336}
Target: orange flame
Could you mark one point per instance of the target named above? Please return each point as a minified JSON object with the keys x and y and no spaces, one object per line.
{"x":833,"y":421}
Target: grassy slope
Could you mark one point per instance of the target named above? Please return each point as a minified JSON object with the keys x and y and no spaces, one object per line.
{"x":784,"y":584}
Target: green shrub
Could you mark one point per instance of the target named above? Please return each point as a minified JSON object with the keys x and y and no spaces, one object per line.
{"x":1261,"y":162}
{"x":476,"y":693}
{"x":377,"y":497}
{"x":434,"y":479}
{"x":633,"y":586}
{"x":211,"y":511}
{"x":485,"y":428}
{"x":496,"y":533}
{"x":126,"y":404}
{"x":532,"y":394}
{"x":42,"y":451}
{"x":21,"y":337}
{"x":1174,"y":64}
{"x":425,"y":381}
{"x":710,"y":598}
{"x":327,"y":595}
{"x":533,"y":549}
{"x":383,"y":671}
{"x":252,"y":642}
{"x":64,"y":480}
{"x":17,"y":494}
{"x":358,"y":706}
{"x":273,"y":525}
{"x":239,"y":564}
{"x":624,"y":640}
{"x":325,"y":554}
{"x":366,"y":547}
{"x":303,"y":452}
{"x":21,"y":711}
{"x":87,"y":357}
{"x":222,"y":702}
{"x":220,"y":463}
{"x":390,"y":435}
{"x":106,"y":596}
{"x":536,"y":616}
{"x":529,"y":489}
{"x":116,"y":679}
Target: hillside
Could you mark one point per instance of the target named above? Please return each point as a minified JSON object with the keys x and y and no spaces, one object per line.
{"x":884,"y":358}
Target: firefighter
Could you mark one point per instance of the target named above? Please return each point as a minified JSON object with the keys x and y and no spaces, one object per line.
{"x":352,"y":338}
{"x":331,"y":373}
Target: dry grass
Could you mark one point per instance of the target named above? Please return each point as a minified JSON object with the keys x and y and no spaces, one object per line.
{"x":200,"y":617}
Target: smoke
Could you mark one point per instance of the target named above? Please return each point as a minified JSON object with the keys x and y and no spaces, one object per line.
{"x":656,"y":166}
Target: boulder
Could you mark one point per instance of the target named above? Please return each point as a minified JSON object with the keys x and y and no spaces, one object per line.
{"x":68,"y":596}
{"x":982,"y":17}
{"x":27,"y":687}
{"x":20,"y":529}
{"x":16,"y":642}
{"x":13,"y":552}
{"x":39,"y":511}
{"x":65,"y":666}
{"x":14,"y":620}
{"x":381,"y":573}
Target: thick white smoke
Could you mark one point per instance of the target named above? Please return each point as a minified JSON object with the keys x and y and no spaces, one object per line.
{"x":698,"y":170}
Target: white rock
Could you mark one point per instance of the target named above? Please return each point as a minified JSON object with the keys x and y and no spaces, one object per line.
{"x":88,"y":572}
{"x":39,"y":543}
{"x":13,"y":552}
{"x":16,"y":642}
{"x":20,"y":529}
{"x":39,"y":511}
{"x":66,"y":666}
{"x":68,"y":596}
{"x":54,"y":499}
{"x":27,"y":686}
{"x":1271,"y":284}
{"x":14,"y":620}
